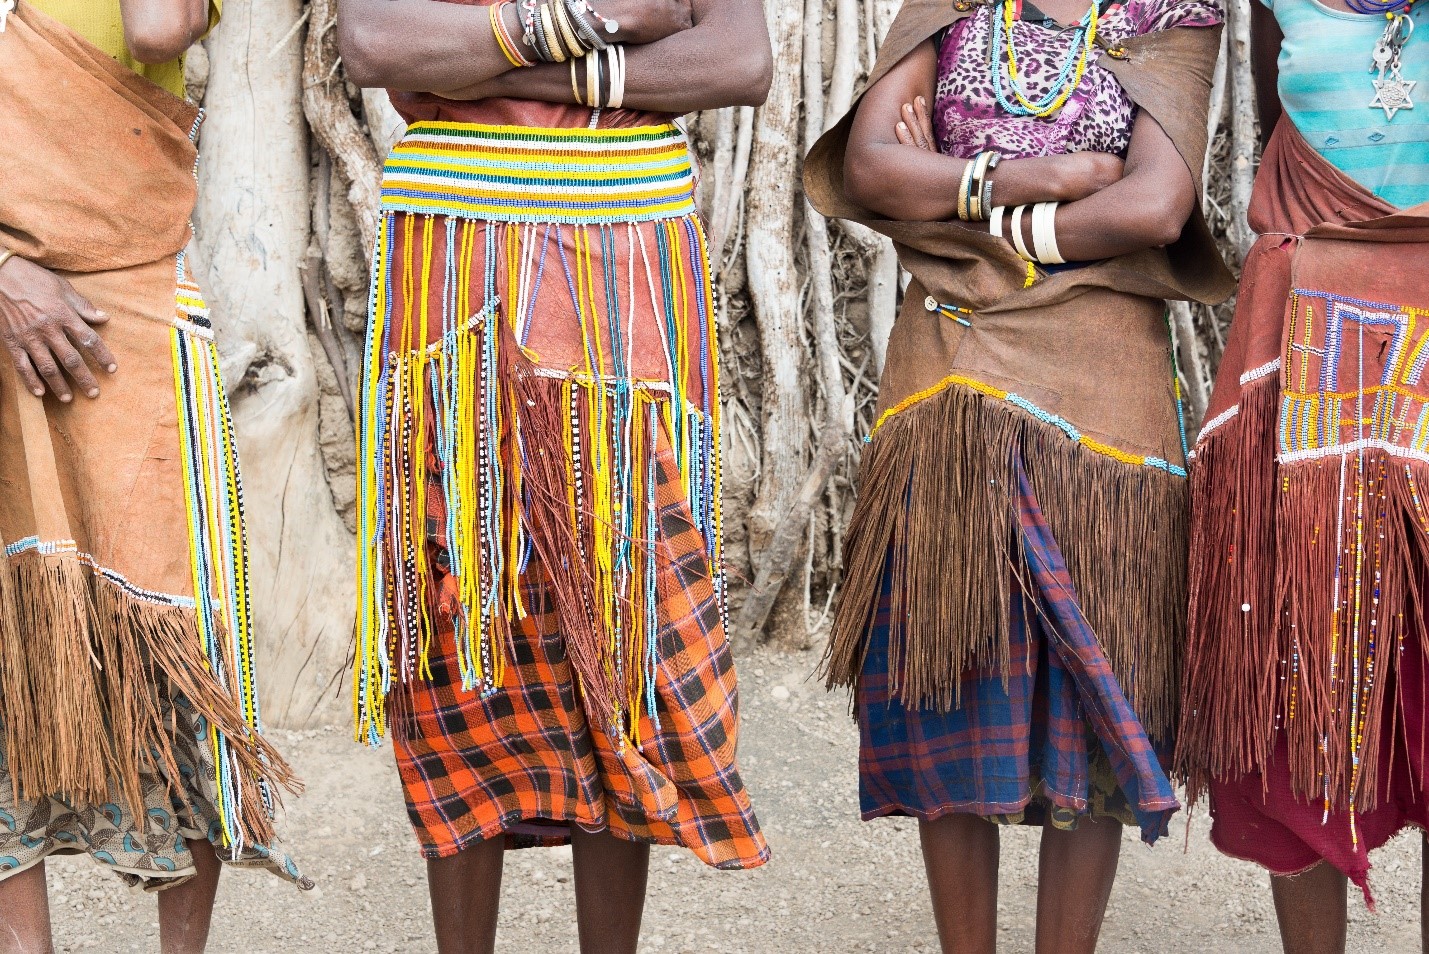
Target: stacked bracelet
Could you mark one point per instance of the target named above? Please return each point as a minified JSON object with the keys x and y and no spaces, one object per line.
{"x":1045,"y":250}
{"x":617,"y":76}
{"x":509,"y":47}
{"x":561,"y":30}
{"x":975,"y":191}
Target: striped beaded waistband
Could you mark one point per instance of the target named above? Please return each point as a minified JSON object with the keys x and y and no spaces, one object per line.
{"x":526,"y":174}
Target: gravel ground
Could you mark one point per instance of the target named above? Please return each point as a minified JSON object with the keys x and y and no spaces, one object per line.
{"x":836,"y":884}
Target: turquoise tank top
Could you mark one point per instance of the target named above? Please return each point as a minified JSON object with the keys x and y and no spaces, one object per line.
{"x":1326,"y":90}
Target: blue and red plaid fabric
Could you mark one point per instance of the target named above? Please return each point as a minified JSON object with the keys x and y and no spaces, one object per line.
{"x":1010,"y":738}
{"x":527,"y":763}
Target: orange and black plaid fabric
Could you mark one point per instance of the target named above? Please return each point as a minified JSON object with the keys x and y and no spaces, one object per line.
{"x":527,"y":762}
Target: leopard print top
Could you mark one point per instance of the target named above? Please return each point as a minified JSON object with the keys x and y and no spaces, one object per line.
{"x":1099,"y":115}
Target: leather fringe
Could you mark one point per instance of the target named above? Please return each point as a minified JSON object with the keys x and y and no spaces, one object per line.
{"x":1306,"y":582}
{"x":82,"y":666}
{"x":938,"y":510}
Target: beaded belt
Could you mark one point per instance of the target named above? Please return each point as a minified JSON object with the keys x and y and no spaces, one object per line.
{"x":525,"y":174}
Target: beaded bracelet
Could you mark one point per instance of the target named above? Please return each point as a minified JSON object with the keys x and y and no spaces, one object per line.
{"x":580,"y":12}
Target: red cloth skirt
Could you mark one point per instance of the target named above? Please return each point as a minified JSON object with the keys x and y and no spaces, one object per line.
{"x":1258,"y":818}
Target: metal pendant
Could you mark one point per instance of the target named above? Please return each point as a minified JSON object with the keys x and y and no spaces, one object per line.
{"x":1392,"y":92}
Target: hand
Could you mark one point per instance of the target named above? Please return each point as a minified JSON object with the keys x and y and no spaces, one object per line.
{"x":47,"y":328}
{"x":916,"y":126}
{"x":646,"y":21}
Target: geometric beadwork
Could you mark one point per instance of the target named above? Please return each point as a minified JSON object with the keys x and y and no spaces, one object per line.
{"x":1354,"y":378}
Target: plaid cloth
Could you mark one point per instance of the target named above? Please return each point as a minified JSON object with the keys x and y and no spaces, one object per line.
{"x":1056,"y":739}
{"x":527,"y":762}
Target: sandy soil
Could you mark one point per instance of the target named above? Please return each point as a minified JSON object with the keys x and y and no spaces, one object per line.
{"x":836,"y":884}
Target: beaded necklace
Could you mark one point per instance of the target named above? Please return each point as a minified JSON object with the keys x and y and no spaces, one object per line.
{"x":1074,"y":66}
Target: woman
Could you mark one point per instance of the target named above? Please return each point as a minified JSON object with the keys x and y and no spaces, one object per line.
{"x":1014,"y":599}
{"x":1304,"y":713}
{"x":129,"y":724}
{"x":540,"y":565}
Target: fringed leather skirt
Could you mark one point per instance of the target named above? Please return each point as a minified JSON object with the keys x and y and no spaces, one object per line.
{"x":540,"y":565}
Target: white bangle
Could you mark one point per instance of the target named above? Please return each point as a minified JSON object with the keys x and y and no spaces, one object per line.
{"x":995,"y":222}
{"x":592,"y":80}
{"x":1044,"y":233}
{"x":617,"y":76}
{"x":1017,"y":241}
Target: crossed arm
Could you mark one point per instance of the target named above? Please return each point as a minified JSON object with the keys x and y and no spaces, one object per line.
{"x":1109,"y":207}
{"x":681,"y":55}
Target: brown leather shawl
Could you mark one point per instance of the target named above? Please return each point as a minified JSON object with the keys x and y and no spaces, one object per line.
{"x":1081,"y":354}
{"x":1310,"y":540}
{"x":98,"y":555}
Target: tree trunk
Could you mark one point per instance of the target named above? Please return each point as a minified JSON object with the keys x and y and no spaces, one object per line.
{"x":253,"y":223}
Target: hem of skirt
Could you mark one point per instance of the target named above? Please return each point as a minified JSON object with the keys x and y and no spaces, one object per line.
{"x":1358,"y":879}
{"x":503,"y":828}
{"x":151,"y":880}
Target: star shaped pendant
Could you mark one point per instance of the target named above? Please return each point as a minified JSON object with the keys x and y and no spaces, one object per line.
{"x":1392,"y":94}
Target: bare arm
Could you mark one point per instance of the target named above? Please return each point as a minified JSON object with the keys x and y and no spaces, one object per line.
{"x":425,"y":47}
{"x":157,"y":31}
{"x":1146,"y":208}
{"x":1265,"y":39}
{"x":914,"y":182}
{"x":723,"y":60}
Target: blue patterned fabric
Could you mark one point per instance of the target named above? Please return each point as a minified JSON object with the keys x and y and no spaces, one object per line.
{"x":1036,"y":733}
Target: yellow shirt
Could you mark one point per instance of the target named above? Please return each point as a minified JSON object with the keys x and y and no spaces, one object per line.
{"x":101,"y":23}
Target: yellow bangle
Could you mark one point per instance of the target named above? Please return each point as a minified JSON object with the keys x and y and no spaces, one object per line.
{"x":568,"y":33}
{"x":553,"y":36}
{"x":963,"y":190}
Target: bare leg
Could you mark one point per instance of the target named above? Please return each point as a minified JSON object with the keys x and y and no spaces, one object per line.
{"x":1075,"y":875}
{"x":25,"y":913}
{"x":466,"y":896}
{"x":186,"y":911}
{"x":1312,"y":911}
{"x":610,"y":891}
{"x":960,"y":854}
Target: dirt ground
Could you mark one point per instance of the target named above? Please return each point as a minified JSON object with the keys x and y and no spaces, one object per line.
{"x":835,"y":884}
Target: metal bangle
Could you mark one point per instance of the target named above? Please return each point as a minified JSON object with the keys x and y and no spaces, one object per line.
{"x":5,"y":256}
{"x":963,"y":190}
{"x":585,"y":29}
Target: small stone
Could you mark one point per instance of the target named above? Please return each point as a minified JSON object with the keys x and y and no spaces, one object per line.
{"x":780,"y":692}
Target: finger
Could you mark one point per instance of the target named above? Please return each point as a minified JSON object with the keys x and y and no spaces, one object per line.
{"x":925,"y":120}
{"x":89,"y":341}
{"x":48,"y":367}
{"x":25,"y":368}
{"x":83,"y":307}
{"x":73,"y":364}
{"x":910,"y":118}
{"x":904,"y":134}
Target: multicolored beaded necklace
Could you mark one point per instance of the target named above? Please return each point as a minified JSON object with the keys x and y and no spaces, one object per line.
{"x":1004,"y":69}
{"x":1392,"y":92}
